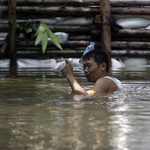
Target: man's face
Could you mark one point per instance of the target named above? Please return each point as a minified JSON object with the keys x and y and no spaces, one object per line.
{"x":91,"y":70}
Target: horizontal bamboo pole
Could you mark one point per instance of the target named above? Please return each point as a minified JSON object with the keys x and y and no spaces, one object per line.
{"x":131,"y":53}
{"x":78,"y":3}
{"x":91,"y":32}
{"x":56,"y":11}
{"x":25,"y":12}
{"x":125,"y":33}
{"x":51,"y":54}
{"x":129,"y":39}
{"x":129,"y":3}
{"x":73,"y":54}
{"x":32,"y":12}
{"x":114,"y":44}
{"x":114,"y":53}
{"x":78,"y":37}
{"x":4,"y":27}
{"x":130,"y":10}
{"x":68,"y":44}
{"x":134,"y":32}
{"x":78,"y":11}
{"x":77,"y":29}
{"x":73,"y":29}
{"x":58,"y":2}
{"x":125,"y":44}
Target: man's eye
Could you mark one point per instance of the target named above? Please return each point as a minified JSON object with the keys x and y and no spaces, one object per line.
{"x":87,"y":66}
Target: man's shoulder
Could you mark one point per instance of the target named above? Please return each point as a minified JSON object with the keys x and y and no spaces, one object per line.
{"x":102,"y":84}
{"x":106,"y":84}
{"x":104,"y":81}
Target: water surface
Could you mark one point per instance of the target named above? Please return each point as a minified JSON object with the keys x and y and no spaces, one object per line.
{"x":38,"y":111}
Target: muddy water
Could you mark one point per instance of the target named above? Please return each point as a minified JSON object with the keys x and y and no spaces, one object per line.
{"x":38,"y":111}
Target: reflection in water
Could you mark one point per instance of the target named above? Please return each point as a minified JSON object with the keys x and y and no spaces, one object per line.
{"x":121,"y":129}
{"x":39,"y":112}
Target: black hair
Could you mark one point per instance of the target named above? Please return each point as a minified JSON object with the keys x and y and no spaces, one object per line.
{"x":99,"y":57}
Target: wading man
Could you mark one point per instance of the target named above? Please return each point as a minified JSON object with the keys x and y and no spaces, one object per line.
{"x":96,"y":70}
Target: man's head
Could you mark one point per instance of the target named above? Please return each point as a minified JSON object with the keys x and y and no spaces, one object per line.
{"x":98,"y":56}
{"x":95,"y":65}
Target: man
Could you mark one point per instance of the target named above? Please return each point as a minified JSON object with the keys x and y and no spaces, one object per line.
{"x":95,"y":64}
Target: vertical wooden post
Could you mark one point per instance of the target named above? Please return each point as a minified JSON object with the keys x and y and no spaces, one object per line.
{"x":106,"y":28}
{"x":12,"y":36}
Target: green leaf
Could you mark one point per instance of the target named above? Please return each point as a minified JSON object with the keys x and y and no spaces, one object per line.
{"x":40,"y":32}
{"x":44,"y":42}
{"x":29,"y":30}
{"x":41,"y":28}
{"x":54,"y":39}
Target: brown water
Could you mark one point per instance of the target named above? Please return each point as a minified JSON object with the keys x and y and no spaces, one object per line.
{"x":38,"y":111}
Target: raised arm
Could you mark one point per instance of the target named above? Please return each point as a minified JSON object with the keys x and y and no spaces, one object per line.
{"x":75,"y":86}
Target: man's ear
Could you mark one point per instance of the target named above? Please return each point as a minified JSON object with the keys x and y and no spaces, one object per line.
{"x":104,"y":66}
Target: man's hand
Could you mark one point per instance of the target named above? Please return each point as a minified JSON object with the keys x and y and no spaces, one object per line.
{"x":75,"y":86}
{"x":67,"y":70}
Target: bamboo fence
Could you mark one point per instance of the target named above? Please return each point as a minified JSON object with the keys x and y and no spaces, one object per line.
{"x":124,"y":42}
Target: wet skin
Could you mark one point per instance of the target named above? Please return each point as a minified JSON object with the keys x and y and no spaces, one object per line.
{"x":94,"y":74}
{"x":92,"y":71}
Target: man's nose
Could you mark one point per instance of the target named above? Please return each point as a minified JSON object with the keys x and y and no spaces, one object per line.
{"x":85,"y":70}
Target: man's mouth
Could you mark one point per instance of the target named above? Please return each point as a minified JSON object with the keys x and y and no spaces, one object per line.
{"x":87,"y":75}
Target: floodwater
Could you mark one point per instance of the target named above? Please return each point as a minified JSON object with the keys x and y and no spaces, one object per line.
{"x":39,"y":112}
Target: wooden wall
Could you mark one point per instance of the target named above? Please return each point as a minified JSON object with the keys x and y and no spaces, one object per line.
{"x":125,"y":42}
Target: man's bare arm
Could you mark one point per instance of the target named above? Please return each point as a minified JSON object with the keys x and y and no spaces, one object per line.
{"x":75,"y":86}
